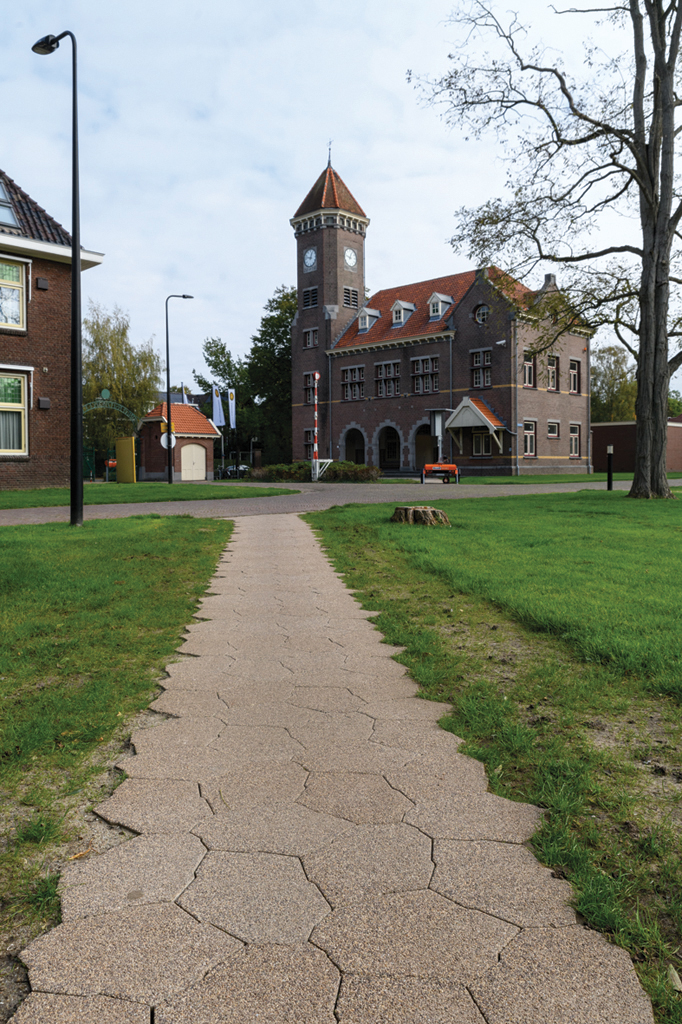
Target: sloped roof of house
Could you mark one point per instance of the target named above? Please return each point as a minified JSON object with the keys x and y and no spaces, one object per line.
{"x":474,"y":412}
{"x":420,"y":323}
{"x":329,"y":193}
{"x":188,"y":421}
{"x":32,"y":220}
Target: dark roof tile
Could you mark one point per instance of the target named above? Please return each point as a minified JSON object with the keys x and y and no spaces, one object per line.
{"x":34,"y":221}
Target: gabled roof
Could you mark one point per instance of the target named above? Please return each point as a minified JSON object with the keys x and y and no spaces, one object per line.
{"x":33,"y":221}
{"x":329,"y":193}
{"x":420,"y":323}
{"x":187,"y":420}
{"x":474,"y":412}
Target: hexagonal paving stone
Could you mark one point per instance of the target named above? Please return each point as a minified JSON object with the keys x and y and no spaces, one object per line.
{"x":46,"y":1008}
{"x":240,"y":691}
{"x":374,"y":691}
{"x":202,"y":674}
{"x":178,"y":763}
{"x":276,"y":713}
{"x":409,"y":709}
{"x":194,"y":703}
{"x":366,"y":758}
{"x":405,"y":1001}
{"x":336,"y":728}
{"x":255,"y":784}
{"x":484,"y":816}
{"x":290,"y":831}
{"x":188,"y":732}
{"x":417,"y":736}
{"x":364,"y":799}
{"x":155,"y":806}
{"x":256,"y":896}
{"x":461,"y":775}
{"x":371,"y":859}
{"x":419,"y":934}
{"x":562,"y":976}
{"x":144,"y":954}
{"x":149,"y":869}
{"x":479,"y":876}
{"x":250,"y":744}
{"x":327,"y":698}
{"x":274,"y":984}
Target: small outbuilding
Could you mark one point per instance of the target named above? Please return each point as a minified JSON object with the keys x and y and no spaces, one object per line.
{"x":622,"y":436}
{"x":193,"y":452}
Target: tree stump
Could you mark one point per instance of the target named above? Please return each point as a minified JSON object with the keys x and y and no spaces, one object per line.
{"x":425,"y":514}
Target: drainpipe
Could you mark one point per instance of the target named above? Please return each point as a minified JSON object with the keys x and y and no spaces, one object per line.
{"x":590,"y":468}
{"x":329,"y":386}
{"x":451,"y":405}
{"x":515,"y":385}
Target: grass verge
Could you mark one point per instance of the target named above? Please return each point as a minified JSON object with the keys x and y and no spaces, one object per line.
{"x":550,"y":623}
{"x":88,"y":618}
{"x":148,"y":490}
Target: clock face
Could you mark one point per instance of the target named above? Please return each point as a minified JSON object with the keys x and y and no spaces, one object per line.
{"x":351,"y":257}
{"x":310,"y":258}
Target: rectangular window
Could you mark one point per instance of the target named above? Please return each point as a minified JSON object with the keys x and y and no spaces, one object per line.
{"x":308,"y":388}
{"x":528,"y":370}
{"x":397,"y":316}
{"x":574,"y":377}
{"x":417,"y":386}
{"x":553,"y":430}
{"x":552,"y":373}
{"x":12,"y":415}
{"x":309,"y":298}
{"x":308,"y":440}
{"x":478,"y":378}
{"x":529,"y":439}
{"x":434,"y":382}
{"x":482,"y":444}
{"x":476,"y":358}
{"x":310,"y":338}
{"x":574,"y":441}
{"x":435,"y":309}
{"x":350,"y":297}
{"x":487,"y":358}
{"x":487,"y":377}
{"x":12,"y":312}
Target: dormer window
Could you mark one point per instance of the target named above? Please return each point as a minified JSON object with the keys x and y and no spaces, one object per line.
{"x":402,"y":311}
{"x":366,"y":318}
{"x":362,"y":322}
{"x":7,"y":215}
{"x":438,"y":303}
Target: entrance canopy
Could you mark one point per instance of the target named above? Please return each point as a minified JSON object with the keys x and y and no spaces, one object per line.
{"x":474,"y":413}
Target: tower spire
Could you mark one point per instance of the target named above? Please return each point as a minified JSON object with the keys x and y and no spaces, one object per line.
{"x":329,"y":161}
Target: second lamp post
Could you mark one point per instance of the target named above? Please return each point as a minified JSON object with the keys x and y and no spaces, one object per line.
{"x":169,"y":432}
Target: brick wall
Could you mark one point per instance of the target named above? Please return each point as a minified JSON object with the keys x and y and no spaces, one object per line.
{"x":623,"y":438}
{"x":154,"y":458}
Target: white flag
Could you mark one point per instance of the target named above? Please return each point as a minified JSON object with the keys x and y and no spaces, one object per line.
{"x":184,"y":396}
{"x":218,"y":414}
{"x":233,"y":409}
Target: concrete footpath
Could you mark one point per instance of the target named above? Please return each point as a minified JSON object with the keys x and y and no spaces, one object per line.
{"x":311,"y":848}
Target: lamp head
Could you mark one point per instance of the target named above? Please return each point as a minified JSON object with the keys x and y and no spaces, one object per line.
{"x":187,"y":296}
{"x":48,"y":44}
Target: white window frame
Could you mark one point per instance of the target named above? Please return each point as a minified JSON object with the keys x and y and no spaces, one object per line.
{"x":528,"y":370}
{"x":481,"y":440}
{"x":20,"y":407}
{"x":310,"y":338}
{"x":574,"y":376}
{"x":552,"y":373}
{"x":574,"y":441}
{"x":477,"y":379}
{"x":398,"y":315}
{"x":529,"y":439}
{"x":557,"y":433}
{"x":482,"y":314}
{"x":19,"y":287}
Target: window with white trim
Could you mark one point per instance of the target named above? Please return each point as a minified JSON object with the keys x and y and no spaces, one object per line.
{"x":386,"y":379}
{"x":528,"y":370}
{"x":350,"y":297}
{"x":308,"y":440}
{"x":397,"y":315}
{"x":353,"y":383}
{"x":574,"y":376}
{"x":482,"y":314}
{"x":363,"y":322}
{"x":310,"y":338}
{"x":553,"y":430}
{"x":481,"y":372}
{"x":552,"y":373}
{"x":13,"y":393}
{"x":308,"y":388}
{"x":574,"y":441}
{"x":309,"y":298}
{"x":424,"y":374}
{"x":12,"y":305}
{"x":529,"y":439}
{"x":482,"y":443}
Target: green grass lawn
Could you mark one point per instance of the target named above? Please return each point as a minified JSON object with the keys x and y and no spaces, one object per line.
{"x":551,"y":624}
{"x":539,"y":478}
{"x":88,"y":618}
{"x":151,"y":490}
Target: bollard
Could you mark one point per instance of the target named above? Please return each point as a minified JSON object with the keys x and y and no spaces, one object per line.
{"x":423,"y":476}
{"x":609,"y":467}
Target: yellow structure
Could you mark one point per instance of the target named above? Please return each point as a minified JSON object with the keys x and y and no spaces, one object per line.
{"x":125,"y":460}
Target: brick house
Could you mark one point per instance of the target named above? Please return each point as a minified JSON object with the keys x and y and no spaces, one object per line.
{"x":35,"y":342}
{"x":622,"y":436}
{"x":455,"y":346}
{"x":193,"y":452}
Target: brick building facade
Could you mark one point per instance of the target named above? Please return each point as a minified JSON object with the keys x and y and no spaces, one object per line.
{"x":35,"y":342}
{"x":194,"y":439}
{"x":457,"y":346}
{"x":622,"y":436}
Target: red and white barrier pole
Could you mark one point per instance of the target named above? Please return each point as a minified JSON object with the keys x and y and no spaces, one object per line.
{"x":315,"y":468}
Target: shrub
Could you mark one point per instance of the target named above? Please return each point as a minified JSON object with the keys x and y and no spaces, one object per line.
{"x":345,"y":472}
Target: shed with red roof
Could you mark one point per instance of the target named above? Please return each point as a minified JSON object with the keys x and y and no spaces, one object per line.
{"x":193,"y":453}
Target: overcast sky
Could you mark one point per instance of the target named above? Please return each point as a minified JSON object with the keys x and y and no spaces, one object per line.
{"x":204,"y":126}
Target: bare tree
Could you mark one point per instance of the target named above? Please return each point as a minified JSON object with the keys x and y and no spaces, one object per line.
{"x":589,"y":151}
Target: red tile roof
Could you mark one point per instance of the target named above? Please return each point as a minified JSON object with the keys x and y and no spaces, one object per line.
{"x":34,"y":222}
{"x":186,"y":418}
{"x":485,"y":411}
{"x":419,"y":323}
{"x":329,"y":193}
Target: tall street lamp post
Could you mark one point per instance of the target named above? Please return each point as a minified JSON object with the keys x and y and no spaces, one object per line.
{"x":48,"y":44}
{"x":169,"y":431}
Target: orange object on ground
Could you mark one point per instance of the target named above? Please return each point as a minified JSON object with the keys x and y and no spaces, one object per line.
{"x":441,"y":467}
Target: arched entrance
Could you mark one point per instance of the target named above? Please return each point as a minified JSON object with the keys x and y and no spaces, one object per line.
{"x":355,"y":447}
{"x":193,"y":462}
{"x":425,"y":447}
{"x":389,"y":448}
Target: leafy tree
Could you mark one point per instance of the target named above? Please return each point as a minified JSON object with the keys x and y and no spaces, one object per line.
{"x":613,"y":386}
{"x":674,"y":403}
{"x":132,"y":375}
{"x":584,"y":146}
{"x":261,"y":380}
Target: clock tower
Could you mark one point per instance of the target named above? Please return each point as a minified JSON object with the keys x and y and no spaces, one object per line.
{"x":330,"y":228}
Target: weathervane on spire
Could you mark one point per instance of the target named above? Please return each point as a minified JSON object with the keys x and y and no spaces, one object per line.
{"x":329,"y":161}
